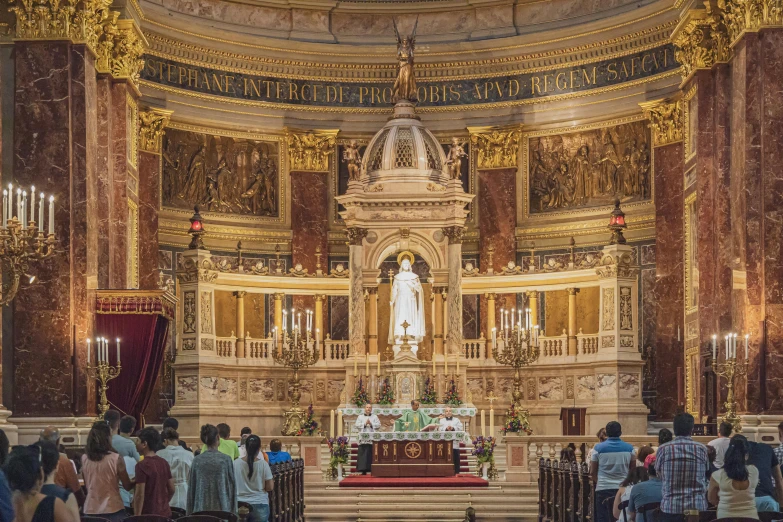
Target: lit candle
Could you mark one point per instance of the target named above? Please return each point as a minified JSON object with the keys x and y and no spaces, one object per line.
{"x":40,"y":214}
{"x":714,"y":347}
{"x":331,"y":423}
{"x":355,"y":365}
{"x":24,"y":210}
{"x":367,"y":364}
{"x":10,"y":209}
{"x":502,"y":317}
{"x":19,"y":203}
{"x":285,"y":315}
{"x":293,"y":316}
{"x":379,"y":365}
{"x":726,"y":345}
{"x":494,"y":338}
{"x":491,"y":421}
{"x":457,"y":364}
{"x":339,"y":423}
{"x":32,"y":204}
{"x":51,"y":215}
{"x":88,"y":350}
{"x":445,"y":364}
{"x":118,"y":351}
{"x":483,"y":425}
{"x":747,"y":336}
{"x":433,"y":364}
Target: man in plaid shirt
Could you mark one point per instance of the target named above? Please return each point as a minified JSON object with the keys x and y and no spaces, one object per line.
{"x":682,"y":467}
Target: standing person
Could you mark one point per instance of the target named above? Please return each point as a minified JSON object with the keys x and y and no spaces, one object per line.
{"x":121,"y":430}
{"x":180,"y":461}
{"x":721,"y":444}
{"x":450,"y":423}
{"x":173,"y":423}
{"x":50,"y":458}
{"x":25,"y":476}
{"x":244,"y":433}
{"x":366,"y":423}
{"x":665,"y":435}
{"x":254,"y":480}
{"x":211,"y":485}
{"x":769,"y":491}
{"x":227,"y":446}
{"x":610,"y":463}
{"x":601,"y":436}
{"x":154,"y":485}
{"x":65,"y":473}
{"x":733,"y":487}
{"x":103,"y":470}
{"x":682,"y":466}
{"x":275,"y":455}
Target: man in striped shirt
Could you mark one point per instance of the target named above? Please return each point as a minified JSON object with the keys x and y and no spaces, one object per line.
{"x":682,"y":466}
{"x":610,"y":462}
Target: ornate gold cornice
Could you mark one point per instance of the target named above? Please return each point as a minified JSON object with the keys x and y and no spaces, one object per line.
{"x":454,"y":233}
{"x":310,"y":151}
{"x":152,"y":124}
{"x":125,"y":61}
{"x":666,"y":121}
{"x":701,"y":39}
{"x":740,"y":16}
{"x":356,"y":235}
{"x":497,"y":147}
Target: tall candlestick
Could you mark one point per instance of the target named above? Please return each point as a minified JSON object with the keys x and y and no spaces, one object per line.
{"x":378,"y":371}
{"x":491,"y":421}
{"x":445,"y":365}
{"x":483,"y":425}
{"x":367,"y":364}
{"x":331,"y":423}
{"x":88,"y":351}
{"x":714,"y":347}
{"x":118,"y":351}
{"x":747,"y":336}
{"x":51,"y":215}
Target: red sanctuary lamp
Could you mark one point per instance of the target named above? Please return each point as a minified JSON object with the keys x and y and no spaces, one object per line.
{"x":617,"y":224}
{"x":196,"y":230}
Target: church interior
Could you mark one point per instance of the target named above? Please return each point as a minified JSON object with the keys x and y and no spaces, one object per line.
{"x":530,"y":218}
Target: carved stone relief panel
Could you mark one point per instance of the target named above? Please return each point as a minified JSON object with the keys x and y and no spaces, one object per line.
{"x":206,"y":313}
{"x":589,"y":168}
{"x":607,"y":312}
{"x":220,"y":173}
{"x":189,"y":312}
{"x":626,"y":308}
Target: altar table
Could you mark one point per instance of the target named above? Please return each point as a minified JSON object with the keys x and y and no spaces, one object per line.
{"x":412,"y":454}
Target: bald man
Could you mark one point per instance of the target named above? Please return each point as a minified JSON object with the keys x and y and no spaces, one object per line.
{"x":65,"y":476}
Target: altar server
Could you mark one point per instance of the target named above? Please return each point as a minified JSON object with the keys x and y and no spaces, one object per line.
{"x":366,"y":423}
{"x":450,"y":423}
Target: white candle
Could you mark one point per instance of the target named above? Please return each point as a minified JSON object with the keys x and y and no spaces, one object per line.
{"x":726,"y":345}
{"x":88,"y":351}
{"x":105,"y":350}
{"x":10,"y":208}
{"x":339,"y":423}
{"x":483,"y":425}
{"x":747,"y":336}
{"x":285,"y":316}
{"x":19,"y":203}
{"x":491,"y":421}
{"x":24,"y":210}
{"x":32,"y":203}
{"x":494,"y":338}
{"x":714,"y":347}
{"x":735,"y":345}
{"x":51,"y":215}
{"x":293,"y":316}
{"x":331,"y":423}
{"x":5,"y":206}
{"x":118,"y":351}
{"x":40,"y":214}
{"x":502,"y":315}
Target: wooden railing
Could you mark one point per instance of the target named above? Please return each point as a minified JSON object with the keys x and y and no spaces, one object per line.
{"x":286,"y":501}
{"x":566,"y":491}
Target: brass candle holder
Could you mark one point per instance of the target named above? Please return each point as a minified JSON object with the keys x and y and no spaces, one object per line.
{"x":520,"y":349}
{"x":298,"y":352}
{"x":730,"y":369}
{"x":103,"y":372}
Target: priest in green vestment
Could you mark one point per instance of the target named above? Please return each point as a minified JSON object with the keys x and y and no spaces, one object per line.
{"x":413,"y":419}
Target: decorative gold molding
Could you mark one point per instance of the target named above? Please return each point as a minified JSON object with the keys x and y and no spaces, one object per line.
{"x":128,"y":46}
{"x":701,"y":40}
{"x":152,"y":124}
{"x":133,"y":238}
{"x":78,"y":21}
{"x":689,"y":254}
{"x":132,"y":108}
{"x":310,"y":151}
{"x":454,"y":233}
{"x":497,"y":148}
{"x":356,"y":235}
{"x":741,"y":16}
{"x":666,"y":121}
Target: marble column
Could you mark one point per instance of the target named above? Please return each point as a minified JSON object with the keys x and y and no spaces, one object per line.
{"x":373,"y":320}
{"x":356,"y":322}
{"x":572,"y":331}
{"x":497,"y":203}
{"x":240,"y":351}
{"x":309,"y":217}
{"x":55,"y":144}
{"x":153,"y":123}
{"x":454,"y":260}
{"x":438,"y":317}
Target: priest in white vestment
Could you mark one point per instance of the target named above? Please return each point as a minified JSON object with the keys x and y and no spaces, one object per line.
{"x":407,"y":306}
{"x":450,"y":423}
{"x":367,"y":422}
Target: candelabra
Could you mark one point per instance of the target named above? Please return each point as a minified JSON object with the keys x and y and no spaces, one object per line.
{"x":730,"y":368}
{"x":103,"y":372}
{"x":296,"y":351}
{"x":22,"y":239}
{"x":520,"y":345}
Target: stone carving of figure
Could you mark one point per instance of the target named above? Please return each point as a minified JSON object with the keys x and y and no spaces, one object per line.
{"x":610,"y":164}
{"x":353,"y":158}
{"x":194,"y":189}
{"x":581,"y":172}
{"x":407,"y":305}
{"x":268,"y":205}
{"x":257,"y":186}
{"x":454,"y":158}
{"x":226,"y":182}
{"x":405,"y":84}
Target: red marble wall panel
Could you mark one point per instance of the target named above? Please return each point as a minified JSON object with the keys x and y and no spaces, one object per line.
{"x":149,"y":207}
{"x":309,"y":218}
{"x":121,"y":168}
{"x":104,"y":169}
{"x":55,"y":87}
{"x":669,"y":279}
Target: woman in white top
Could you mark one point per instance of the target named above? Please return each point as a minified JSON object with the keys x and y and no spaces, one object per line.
{"x":254,"y":480}
{"x":733,"y":487}
{"x":180,"y":460}
{"x":636,"y":475}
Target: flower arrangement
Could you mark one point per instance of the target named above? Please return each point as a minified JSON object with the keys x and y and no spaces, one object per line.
{"x":309,"y":425}
{"x":452,"y":397}
{"x":338,"y":449}
{"x":516,"y":421}
{"x":360,"y":396}
{"x":429,"y":395}
{"x":484,"y":451}
{"x":386,"y":394}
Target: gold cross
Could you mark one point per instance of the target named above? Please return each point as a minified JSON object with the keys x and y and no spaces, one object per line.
{"x":491,"y":398}
{"x":405,"y":326}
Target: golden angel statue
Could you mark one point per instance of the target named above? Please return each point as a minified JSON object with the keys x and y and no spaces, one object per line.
{"x":405,"y":84}
{"x":454,"y":158}
{"x":353,"y":158}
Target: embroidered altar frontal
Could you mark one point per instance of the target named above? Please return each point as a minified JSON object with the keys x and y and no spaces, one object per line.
{"x":412,"y":458}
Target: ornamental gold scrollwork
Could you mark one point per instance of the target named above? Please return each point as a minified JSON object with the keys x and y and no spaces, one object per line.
{"x":152,"y":125}
{"x":356,"y":235}
{"x":701,"y":40}
{"x":125,"y":60}
{"x":497,"y":149}
{"x":310,"y":151}
{"x":454,"y":233}
{"x":749,"y":15}
{"x":666,"y":121}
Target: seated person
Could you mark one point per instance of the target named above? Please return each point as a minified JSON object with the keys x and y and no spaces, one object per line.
{"x":415,"y":420}
{"x":275,"y":454}
{"x":647,"y":492}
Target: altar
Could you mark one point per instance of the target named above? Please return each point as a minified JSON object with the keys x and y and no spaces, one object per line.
{"x":424,"y":454}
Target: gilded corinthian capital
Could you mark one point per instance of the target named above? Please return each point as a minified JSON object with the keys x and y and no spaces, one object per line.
{"x":741,"y":16}
{"x":76,"y":20}
{"x":497,"y":148}
{"x":152,"y":125}
{"x":701,"y":39}
{"x":310,"y":151}
{"x":666,"y":121}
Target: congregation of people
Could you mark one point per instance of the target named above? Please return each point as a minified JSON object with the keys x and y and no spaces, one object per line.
{"x":736,"y":477}
{"x":123,"y":472}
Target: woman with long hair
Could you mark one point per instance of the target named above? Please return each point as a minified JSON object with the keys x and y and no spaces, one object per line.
{"x":211,"y":485}
{"x":733,"y":487}
{"x":180,"y":460}
{"x":254,"y":480}
{"x":103,"y":470}
{"x":50,"y":458}
{"x":635,"y":476}
{"x":26,"y":476}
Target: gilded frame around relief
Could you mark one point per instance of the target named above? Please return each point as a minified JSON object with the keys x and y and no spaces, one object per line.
{"x":692,"y":381}
{"x":689,"y":253}
{"x":539,"y":220}
{"x":690,"y":124}
{"x":239,"y":219}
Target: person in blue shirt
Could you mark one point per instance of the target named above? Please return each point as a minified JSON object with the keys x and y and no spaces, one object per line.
{"x":611,"y":462}
{"x":275,"y":454}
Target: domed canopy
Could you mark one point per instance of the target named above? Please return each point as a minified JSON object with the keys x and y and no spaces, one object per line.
{"x":404,"y":150}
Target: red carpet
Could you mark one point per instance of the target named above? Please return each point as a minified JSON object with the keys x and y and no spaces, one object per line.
{"x":459,"y":481}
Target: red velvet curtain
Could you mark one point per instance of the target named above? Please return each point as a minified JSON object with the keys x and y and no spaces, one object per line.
{"x":143,"y":341}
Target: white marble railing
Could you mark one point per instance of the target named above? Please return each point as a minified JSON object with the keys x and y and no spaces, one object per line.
{"x":587,"y":343}
{"x":226,"y":346}
{"x":259,"y":348}
{"x":474,"y":349}
{"x":554,"y":346}
{"x":335,"y":350}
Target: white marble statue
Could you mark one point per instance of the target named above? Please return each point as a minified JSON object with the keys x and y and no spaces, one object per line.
{"x":407,"y":305}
